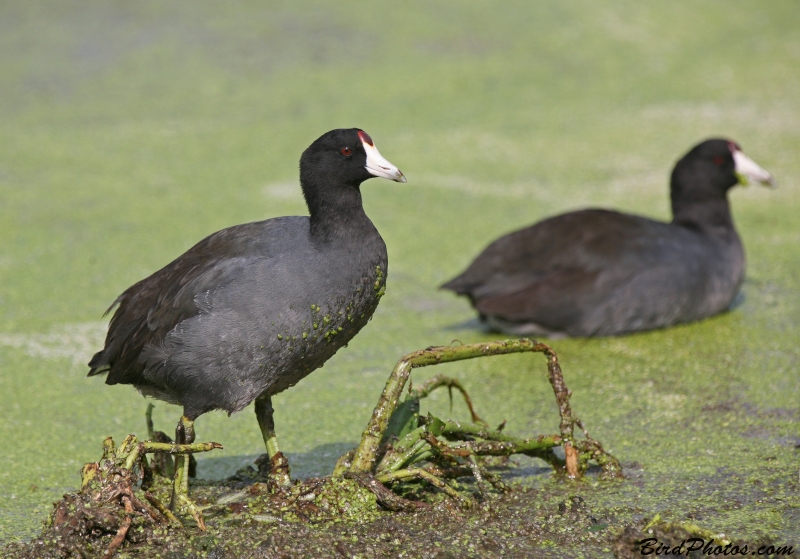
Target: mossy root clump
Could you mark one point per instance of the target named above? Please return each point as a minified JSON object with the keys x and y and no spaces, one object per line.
{"x":113,"y":505}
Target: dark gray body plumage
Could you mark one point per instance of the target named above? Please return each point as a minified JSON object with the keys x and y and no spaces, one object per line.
{"x":227,"y":346}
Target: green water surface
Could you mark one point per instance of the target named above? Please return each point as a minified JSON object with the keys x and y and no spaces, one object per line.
{"x":128,"y":131}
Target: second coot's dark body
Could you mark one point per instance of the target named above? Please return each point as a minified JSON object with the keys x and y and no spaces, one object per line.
{"x":598,"y":272}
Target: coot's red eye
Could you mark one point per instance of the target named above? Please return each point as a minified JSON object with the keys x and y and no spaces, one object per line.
{"x":719,"y":160}
{"x":346,"y":151}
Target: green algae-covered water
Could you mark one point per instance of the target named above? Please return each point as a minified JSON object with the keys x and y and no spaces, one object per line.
{"x":130,"y":131}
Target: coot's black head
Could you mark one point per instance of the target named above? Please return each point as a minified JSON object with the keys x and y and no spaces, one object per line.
{"x":714,"y":166}
{"x":347,"y":156}
{"x":333,"y":167}
{"x":703,"y":177}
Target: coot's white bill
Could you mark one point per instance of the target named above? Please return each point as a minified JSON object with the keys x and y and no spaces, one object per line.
{"x":376,"y":163}
{"x":748,"y":170}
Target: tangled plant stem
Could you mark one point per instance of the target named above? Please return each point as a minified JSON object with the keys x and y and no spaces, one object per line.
{"x":453,"y":449}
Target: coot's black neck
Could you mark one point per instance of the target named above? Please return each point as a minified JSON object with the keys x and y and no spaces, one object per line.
{"x":707,"y":214}
{"x":336,"y":210}
{"x":699,"y":204}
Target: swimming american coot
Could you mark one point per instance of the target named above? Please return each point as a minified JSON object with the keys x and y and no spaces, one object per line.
{"x":599,"y":273}
{"x":250,"y":310}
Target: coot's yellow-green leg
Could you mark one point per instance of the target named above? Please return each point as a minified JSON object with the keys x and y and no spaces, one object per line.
{"x":184,"y":434}
{"x":279,"y":465}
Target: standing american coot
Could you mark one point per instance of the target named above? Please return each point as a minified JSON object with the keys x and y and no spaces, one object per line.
{"x":600,"y":273}
{"x":250,"y":310}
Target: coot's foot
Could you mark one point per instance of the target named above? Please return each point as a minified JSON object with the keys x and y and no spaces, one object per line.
{"x":185,"y":504}
{"x":180,"y":502}
{"x":275,"y":469}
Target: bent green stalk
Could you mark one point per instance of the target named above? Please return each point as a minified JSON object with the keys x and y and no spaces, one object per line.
{"x":364,"y":457}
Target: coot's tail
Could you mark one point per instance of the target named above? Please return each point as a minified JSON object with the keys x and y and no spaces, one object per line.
{"x":99,"y":364}
{"x":458,"y":285}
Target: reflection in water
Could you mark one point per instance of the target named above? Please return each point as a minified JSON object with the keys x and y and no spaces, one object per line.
{"x":321,"y":460}
{"x":317,"y":462}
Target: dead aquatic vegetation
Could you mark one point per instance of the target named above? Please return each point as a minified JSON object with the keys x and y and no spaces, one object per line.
{"x":114,"y":501}
{"x":454,"y":449}
{"x":404,"y":462}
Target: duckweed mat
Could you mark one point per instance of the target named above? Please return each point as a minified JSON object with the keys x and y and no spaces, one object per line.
{"x":132,"y":130}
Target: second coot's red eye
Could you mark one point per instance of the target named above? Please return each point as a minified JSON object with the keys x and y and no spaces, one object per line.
{"x":346,"y":151}
{"x":718,"y":160}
